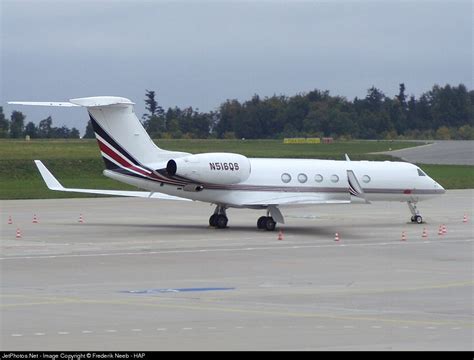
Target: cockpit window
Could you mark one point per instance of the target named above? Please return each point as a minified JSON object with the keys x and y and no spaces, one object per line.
{"x":421,"y":173}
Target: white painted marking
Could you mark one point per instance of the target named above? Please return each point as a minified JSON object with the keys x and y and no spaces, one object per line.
{"x":87,"y":331}
{"x":17,"y":335}
{"x":161,"y":329}
{"x":348,"y":327}
{"x":431,"y":327}
{"x":111,"y":331}
{"x":263,"y":248}
{"x":39,"y":334}
{"x":187,"y":328}
{"x":405,"y":327}
{"x":211,"y":327}
{"x":136,"y":330}
{"x":239,"y":327}
{"x":63,"y":332}
{"x":456,"y":328}
{"x":376,"y":327}
{"x":320,"y":327}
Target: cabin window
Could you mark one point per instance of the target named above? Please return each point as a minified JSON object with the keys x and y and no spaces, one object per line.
{"x":318,"y":178}
{"x":420,"y":173}
{"x":334,"y":178}
{"x":286,"y":178}
{"x":366,"y":178}
{"x":302,"y":178}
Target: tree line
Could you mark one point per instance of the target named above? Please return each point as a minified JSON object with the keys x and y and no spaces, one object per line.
{"x":15,"y":128}
{"x":444,"y":112}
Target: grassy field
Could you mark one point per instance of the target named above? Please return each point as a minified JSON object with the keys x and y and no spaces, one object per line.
{"x":77,"y":163}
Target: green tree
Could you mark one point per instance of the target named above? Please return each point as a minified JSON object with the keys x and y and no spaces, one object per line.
{"x":154,"y":121}
{"x":44,"y":128}
{"x":89,"y":134}
{"x":401,"y":97}
{"x":74,"y":134}
{"x":31,"y":130}
{"x":17,"y":124}
{"x":4,"y":124}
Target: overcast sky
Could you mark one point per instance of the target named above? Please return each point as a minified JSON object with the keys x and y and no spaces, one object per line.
{"x":200,"y":53}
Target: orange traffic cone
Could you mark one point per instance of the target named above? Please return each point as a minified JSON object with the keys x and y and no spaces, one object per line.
{"x":35,"y":219}
{"x":425,"y":233}
{"x":18,"y":233}
{"x":445,"y":230}
{"x":81,"y":219}
{"x":10,"y":221}
{"x":404,"y":238}
{"x":464,"y":220}
{"x":280,"y":235}
{"x":336,"y":237}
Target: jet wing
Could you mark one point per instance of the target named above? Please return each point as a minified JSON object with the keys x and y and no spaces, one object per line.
{"x":297,"y":200}
{"x":53,"y":184}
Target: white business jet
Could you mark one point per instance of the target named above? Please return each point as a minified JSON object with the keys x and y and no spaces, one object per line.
{"x":231,"y":180}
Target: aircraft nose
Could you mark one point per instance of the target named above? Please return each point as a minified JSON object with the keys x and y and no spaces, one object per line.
{"x":439,"y":188}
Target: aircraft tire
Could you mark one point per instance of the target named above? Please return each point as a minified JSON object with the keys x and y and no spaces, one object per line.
{"x":270,"y":224}
{"x":221,"y":221}
{"x":213,"y":220}
{"x":261,"y":222}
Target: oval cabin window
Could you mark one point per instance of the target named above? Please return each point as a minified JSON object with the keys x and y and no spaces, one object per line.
{"x":334,"y":178}
{"x":302,"y":178}
{"x":318,"y":178}
{"x":366,"y":178}
{"x":286,"y":178}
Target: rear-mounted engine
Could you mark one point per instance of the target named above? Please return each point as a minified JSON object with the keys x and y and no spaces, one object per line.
{"x":211,"y":168}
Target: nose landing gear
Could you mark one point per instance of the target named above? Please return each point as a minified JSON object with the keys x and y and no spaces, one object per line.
{"x":416,"y":218}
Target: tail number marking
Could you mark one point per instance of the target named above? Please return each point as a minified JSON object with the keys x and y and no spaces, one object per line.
{"x":224,"y":166}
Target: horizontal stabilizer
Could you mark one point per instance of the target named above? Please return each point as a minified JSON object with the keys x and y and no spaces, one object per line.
{"x":43,"y":103}
{"x":53,"y":184}
{"x":94,"y":101}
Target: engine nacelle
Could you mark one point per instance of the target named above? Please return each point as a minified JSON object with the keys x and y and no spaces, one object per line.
{"x":213,"y":168}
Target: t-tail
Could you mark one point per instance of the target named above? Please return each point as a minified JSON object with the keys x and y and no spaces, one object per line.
{"x":122,"y":140}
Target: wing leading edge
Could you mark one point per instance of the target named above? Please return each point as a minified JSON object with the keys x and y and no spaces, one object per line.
{"x":53,"y":184}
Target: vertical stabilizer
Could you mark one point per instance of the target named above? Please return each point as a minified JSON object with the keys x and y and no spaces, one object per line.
{"x":119,"y":132}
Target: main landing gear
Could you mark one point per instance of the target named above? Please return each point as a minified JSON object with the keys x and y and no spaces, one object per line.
{"x":416,"y":217}
{"x":266,"y":223}
{"x":219,"y":218}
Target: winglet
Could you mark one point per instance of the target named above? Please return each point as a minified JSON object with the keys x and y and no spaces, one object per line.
{"x":347,"y":157}
{"x":51,"y":182}
{"x":355,"y":189}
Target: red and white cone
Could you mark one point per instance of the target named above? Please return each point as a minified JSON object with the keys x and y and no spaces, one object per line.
{"x":404,"y":237}
{"x":440,"y":230}
{"x":18,"y":233}
{"x":336,"y":237}
{"x":464,"y":220}
{"x":81,"y":219}
{"x":35,"y":219}
{"x":445,"y":230}
{"x":425,"y":234}
{"x":10,"y":221}
{"x":280,"y":235}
